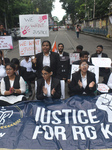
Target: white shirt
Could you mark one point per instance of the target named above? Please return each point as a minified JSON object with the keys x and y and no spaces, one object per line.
{"x":109,"y":83}
{"x":48,"y":86}
{"x":100,"y":55}
{"x":21,"y":82}
{"x":27,"y":64}
{"x":84,"y":81}
{"x":46,"y":60}
{"x":2,"y":72}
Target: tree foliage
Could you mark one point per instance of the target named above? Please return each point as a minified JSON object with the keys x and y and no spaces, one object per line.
{"x":83,"y":9}
{"x":11,"y":9}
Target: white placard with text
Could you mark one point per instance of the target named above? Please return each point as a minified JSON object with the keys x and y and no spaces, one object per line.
{"x":74,"y":57}
{"x":34,"y":25}
{"x":6,"y":42}
{"x":101,"y":62}
{"x":26,"y":47}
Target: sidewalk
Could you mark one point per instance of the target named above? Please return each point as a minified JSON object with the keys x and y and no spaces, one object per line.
{"x":96,"y":35}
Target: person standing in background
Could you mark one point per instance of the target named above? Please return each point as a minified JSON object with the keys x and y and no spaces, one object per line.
{"x":77,"y":30}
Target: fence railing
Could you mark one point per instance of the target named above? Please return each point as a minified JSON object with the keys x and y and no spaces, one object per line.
{"x":96,"y":31}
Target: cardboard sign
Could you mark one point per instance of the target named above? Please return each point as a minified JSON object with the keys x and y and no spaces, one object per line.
{"x":101,"y":62}
{"x":74,"y":57}
{"x":93,"y":69}
{"x":6,"y":42}
{"x":103,"y":88}
{"x":34,"y":25}
{"x":26,"y":47}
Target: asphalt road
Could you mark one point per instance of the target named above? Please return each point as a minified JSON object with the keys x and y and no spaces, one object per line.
{"x":68,"y":38}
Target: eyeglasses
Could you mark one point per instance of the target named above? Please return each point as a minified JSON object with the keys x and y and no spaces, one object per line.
{"x":44,"y":74}
{"x":8,"y":69}
{"x":86,"y":65}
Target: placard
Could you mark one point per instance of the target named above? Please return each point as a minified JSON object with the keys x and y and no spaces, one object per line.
{"x":74,"y":57}
{"x":26,"y":47}
{"x":103,"y":88}
{"x":93,"y":69}
{"x":101,"y":62}
{"x":6,"y":42}
{"x":34,"y":25}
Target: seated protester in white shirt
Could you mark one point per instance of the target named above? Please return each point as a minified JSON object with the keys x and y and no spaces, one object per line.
{"x":108,"y":80}
{"x":27,"y":63}
{"x":48,"y":86}
{"x":83,"y":81}
{"x":2,"y":72}
{"x":13,"y":87}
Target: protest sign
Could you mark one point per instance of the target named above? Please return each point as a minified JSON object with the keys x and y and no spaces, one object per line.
{"x":103,"y":88}
{"x":101,"y":62}
{"x":80,"y":122}
{"x":74,"y":57}
{"x":6,"y":42}
{"x":26,"y":47}
{"x":91,"y":68}
{"x":34,"y":25}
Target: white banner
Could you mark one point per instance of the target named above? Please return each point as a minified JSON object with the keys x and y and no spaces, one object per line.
{"x":6,"y":42}
{"x":26,"y":47}
{"x":93,"y":69}
{"x":101,"y":62}
{"x":74,"y":57}
{"x":34,"y":25}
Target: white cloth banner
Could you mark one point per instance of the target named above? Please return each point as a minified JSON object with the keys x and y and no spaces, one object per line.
{"x":26,"y":47}
{"x":93,"y":69}
{"x":6,"y":42}
{"x":101,"y":62}
{"x":34,"y":25}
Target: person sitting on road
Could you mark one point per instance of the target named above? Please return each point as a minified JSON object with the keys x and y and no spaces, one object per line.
{"x":27,"y":63}
{"x":84,"y":55}
{"x":2,"y":72}
{"x":83,"y":81}
{"x":79,"y":49}
{"x":99,"y":53}
{"x":12,"y":87}
{"x":48,"y":87}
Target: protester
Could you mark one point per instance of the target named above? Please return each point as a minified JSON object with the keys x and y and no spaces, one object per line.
{"x":47,"y":58}
{"x":83,"y":81}
{"x":4,"y":60}
{"x":84,"y":55}
{"x":48,"y":87}
{"x":2,"y":72}
{"x":27,"y":63}
{"x":12,"y":87}
{"x":79,"y":49}
{"x":65,"y":63}
{"x":3,"y":32}
{"x":99,"y":53}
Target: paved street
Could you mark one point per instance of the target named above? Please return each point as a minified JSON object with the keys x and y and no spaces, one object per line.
{"x":68,"y":38}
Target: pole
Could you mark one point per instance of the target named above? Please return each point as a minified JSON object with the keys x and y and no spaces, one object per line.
{"x":94,"y":10}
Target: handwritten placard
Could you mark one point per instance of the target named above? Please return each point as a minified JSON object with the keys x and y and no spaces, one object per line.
{"x":26,"y":47}
{"x":103,"y":88}
{"x":6,"y":42}
{"x":101,"y":62}
{"x":74,"y":57}
{"x":34,"y":25}
{"x":93,"y":69}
